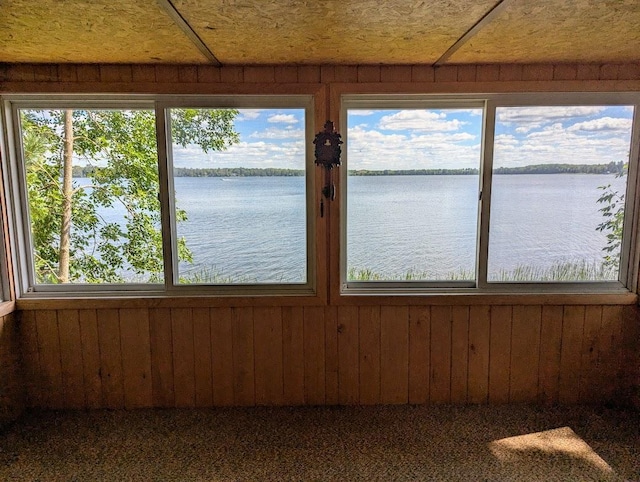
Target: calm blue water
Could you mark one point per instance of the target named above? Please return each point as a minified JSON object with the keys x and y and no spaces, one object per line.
{"x":253,"y":229}
{"x":428,"y":224}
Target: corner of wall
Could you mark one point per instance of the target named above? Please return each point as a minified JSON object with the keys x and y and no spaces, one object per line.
{"x":11,"y":382}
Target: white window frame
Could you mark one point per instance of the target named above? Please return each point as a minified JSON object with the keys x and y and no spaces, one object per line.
{"x":629,"y":254}
{"x":15,"y":185}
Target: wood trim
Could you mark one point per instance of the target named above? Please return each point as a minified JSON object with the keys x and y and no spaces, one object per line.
{"x":183,"y":25}
{"x":473,"y":31}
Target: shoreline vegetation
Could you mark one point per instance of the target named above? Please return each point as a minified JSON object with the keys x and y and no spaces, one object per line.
{"x":610,"y":168}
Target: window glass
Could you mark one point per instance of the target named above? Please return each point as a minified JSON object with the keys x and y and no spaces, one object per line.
{"x":240,"y":205}
{"x":412,"y":194}
{"x":92,"y":195}
{"x":557,"y":203}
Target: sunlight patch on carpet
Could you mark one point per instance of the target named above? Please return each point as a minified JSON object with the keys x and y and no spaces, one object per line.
{"x":551,"y":445}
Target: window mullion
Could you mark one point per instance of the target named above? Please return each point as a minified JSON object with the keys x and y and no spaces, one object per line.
{"x":163,"y":133}
{"x":484,"y":207}
{"x":629,"y":257}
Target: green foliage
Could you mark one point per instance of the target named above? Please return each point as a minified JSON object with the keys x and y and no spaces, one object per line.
{"x":613,"y":214}
{"x":119,"y":147}
{"x":561,"y":271}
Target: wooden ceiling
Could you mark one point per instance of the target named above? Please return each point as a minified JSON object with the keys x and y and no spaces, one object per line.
{"x":226,"y":32}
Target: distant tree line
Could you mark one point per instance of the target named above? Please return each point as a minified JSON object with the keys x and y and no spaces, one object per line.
{"x":610,"y":168}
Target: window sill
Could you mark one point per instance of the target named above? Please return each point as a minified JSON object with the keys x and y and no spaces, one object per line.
{"x":150,"y":301}
{"x":7,"y":307}
{"x":595,"y":298}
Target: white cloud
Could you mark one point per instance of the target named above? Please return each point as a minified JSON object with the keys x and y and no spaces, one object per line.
{"x":541,"y":115}
{"x":283,"y":118}
{"x":606,"y":124}
{"x":424,"y":120}
{"x":372,"y":149}
{"x":589,"y":143}
{"x":248,"y":114}
{"x":275,"y":133}
{"x":361,"y":112}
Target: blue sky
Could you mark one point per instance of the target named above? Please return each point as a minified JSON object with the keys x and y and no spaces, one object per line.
{"x":268,"y":138}
{"x":451,"y":138}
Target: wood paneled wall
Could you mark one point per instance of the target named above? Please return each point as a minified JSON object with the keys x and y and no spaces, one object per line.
{"x":11,"y":383}
{"x":346,"y":354}
{"x":201,"y":357}
{"x":204,"y":79}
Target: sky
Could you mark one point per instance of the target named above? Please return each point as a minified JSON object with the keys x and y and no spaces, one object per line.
{"x":451,"y":138}
{"x":268,"y":138}
{"x":431,"y":138}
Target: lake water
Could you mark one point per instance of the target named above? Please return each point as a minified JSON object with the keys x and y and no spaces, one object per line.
{"x":249,"y":229}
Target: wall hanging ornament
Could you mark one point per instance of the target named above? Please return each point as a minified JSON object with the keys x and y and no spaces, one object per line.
{"x":328,"y":155}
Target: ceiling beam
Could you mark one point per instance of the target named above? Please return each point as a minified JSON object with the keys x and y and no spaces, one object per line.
{"x":485,"y":20}
{"x":179,"y":20}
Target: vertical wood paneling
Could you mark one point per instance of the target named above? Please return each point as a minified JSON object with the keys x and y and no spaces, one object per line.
{"x":202,"y":354}
{"x":629,"y":380}
{"x":267,"y":327}
{"x":348,"y":357}
{"x":243,"y":359}
{"x":49,"y":354}
{"x":293,"y":355}
{"x":136,"y":358}
{"x":71,"y":359}
{"x":419,"y":351}
{"x":479,"y":342}
{"x":222,"y":356}
{"x":11,"y":381}
{"x":31,"y":359}
{"x":440,"y":366}
{"x":500,"y":354}
{"x":590,"y":363}
{"x":325,"y":355}
{"x":525,"y":353}
{"x":394,"y":350}
{"x":550,"y":351}
{"x":331,"y":355}
{"x":459,"y":353}
{"x":110,"y":358}
{"x":88,"y":320}
{"x":369,"y":349}
{"x":161,"y":357}
{"x":184,"y":376}
{"x":314,"y":357}
{"x":608,"y":350}
{"x":571,"y":354}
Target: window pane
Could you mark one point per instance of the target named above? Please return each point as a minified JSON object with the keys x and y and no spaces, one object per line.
{"x":412,"y":203}
{"x":558,"y":192}
{"x":92,"y":195}
{"x":241,"y":203}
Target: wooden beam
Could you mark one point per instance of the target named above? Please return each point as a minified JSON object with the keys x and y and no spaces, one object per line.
{"x":488,"y":17}
{"x":179,"y":20}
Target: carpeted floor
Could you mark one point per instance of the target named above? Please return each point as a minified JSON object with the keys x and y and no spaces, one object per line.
{"x":431,"y":443}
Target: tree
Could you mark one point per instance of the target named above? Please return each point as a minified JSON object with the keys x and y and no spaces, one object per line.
{"x":72,"y":239}
{"x":613,"y":213}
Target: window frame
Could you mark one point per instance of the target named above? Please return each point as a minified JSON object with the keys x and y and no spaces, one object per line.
{"x":628,"y":271}
{"x":160,"y":104}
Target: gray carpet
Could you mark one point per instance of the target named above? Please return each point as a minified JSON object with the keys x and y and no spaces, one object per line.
{"x":439,"y":443}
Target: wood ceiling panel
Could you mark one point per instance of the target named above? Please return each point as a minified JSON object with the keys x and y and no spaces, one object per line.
{"x":330,"y":31}
{"x":558,"y":31}
{"x":100,"y":31}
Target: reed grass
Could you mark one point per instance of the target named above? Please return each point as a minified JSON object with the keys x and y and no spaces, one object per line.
{"x":581,"y":270}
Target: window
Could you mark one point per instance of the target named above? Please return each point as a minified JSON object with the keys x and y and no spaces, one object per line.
{"x":517,"y":193}
{"x":413,"y":186}
{"x":91,"y":189}
{"x":240,"y":212}
{"x":162,"y":194}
